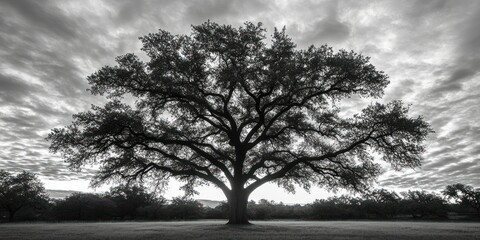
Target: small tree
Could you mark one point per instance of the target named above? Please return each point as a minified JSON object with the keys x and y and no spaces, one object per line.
{"x":422,"y":204}
{"x":382,"y":203}
{"x":464,"y":194}
{"x":222,"y":107}
{"x":185,"y":208}
{"x":22,"y":190}
{"x":129,"y":198}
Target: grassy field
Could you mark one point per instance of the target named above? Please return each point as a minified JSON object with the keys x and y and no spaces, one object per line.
{"x":259,"y":230}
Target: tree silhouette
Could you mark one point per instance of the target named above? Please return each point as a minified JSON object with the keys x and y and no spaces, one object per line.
{"x":223,"y":107}
{"x":185,"y":208}
{"x":84,"y":206}
{"x":22,"y":190}
{"x":382,"y":203}
{"x":129,"y":198}
{"x":464,"y":194}
{"x":422,"y":204}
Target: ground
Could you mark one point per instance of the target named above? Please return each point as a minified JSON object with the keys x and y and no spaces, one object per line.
{"x":259,"y":230}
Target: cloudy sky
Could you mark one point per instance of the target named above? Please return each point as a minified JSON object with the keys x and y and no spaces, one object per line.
{"x":429,"y":48}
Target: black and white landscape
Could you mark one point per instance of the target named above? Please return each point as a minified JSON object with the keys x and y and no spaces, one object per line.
{"x":291,"y":110}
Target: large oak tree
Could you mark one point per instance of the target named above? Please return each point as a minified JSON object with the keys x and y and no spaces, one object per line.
{"x":224,"y":106}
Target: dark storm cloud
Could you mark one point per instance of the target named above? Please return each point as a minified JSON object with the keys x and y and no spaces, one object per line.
{"x":22,"y":120}
{"x":429,"y":48}
{"x":44,"y":15}
{"x":200,"y":11}
{"x":324,"y":26}
{"x":329,"y":28}
{"x":402,"y":89}
{"x":141,"y":17}
{"x":466,"y":61}
{"x":464,"y":71}
{"x":420,"y":9}
{"x":130,"y":11}
{"x":469,"y":40}
{"x":238,"y":11}
{"x":13,"y":90}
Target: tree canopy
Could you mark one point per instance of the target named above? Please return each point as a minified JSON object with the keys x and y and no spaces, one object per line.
{"x":19,"y":191}
{"x":464,"y":194}
{"x":84,"y":206}
{"x":222,"y":106}
{"x":129,"y":198}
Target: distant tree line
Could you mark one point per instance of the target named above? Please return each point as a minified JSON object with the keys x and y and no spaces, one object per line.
{"x":23,"y":198}
{"x":377,"y":204}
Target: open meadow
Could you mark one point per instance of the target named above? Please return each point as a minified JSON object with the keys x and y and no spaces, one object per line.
{"x":259,"y":230}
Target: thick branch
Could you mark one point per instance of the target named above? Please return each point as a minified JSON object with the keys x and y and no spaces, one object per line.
{"x":282,"y":172}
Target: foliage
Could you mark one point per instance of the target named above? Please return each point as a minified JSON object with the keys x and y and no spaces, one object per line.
{"x":376,"y":204}
{"x":20,"y":191}
{"x":265,"y":209}
{"x":381,"y":203}
{"x":153,"y":211}
{"x":129,"y":198}
{"x":185,"y":208}
{"x":421,"y":204}
{"x":219,"y":212}
{"x":464,"y":194}
{"x":84,"y":206}
{"x":343,"y":207}
{"x":222,"y":107}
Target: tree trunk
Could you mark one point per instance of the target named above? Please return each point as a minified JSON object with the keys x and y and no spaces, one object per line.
{"x":238,"y":201}
{"x":11,"y":214}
